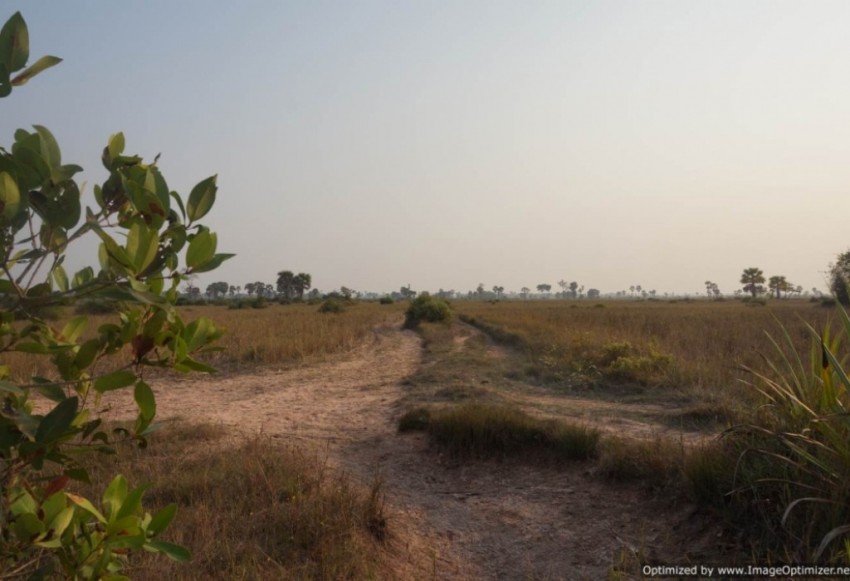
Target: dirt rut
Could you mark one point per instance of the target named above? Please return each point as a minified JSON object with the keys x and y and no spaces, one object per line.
{"x":448,"y":521}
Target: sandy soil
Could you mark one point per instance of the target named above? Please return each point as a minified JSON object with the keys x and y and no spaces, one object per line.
{"x":448,"y":521}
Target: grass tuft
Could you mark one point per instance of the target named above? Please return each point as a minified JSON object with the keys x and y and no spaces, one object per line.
{"x":474,"y":430}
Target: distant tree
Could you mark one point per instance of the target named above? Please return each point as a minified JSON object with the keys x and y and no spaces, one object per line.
{"x":524,"y":292}
{"x":407,"y":292}
{"x":217,"y":289}
{"x":753,"y":279}
{"x":234,"y":290}
{"x":346,"y":292}
{"x":286,"y":284}
{"x":712,"y":290}
{"x":581,"y":292}
{"x":498,"y":290}
{"x":839,"y":278}
{"x":563,"y":284}
{"x":779,"y":284}
{"x":250,"y":288}
{"x":573,"y":290}
{"x":479,"y":290}
{"x":632,"y":289}
{"x":544,"y":288}
{"x":300,"y":283}
{"x":593,"y":293}
{"x":638,"y":288}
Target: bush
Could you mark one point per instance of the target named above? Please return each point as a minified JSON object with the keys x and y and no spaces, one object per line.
{"x":332,"y":306}
{"x":427,"y":308}
{"x":146,"y":232}
{"x":386,"y":300}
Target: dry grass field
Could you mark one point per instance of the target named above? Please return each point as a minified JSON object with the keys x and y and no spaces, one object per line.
{"x":622,"y":400}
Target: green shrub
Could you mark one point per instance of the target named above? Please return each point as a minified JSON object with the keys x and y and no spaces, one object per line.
{"x":427,"y":308}
{"x":150,"y":243}
{"x":332,"y":306}
{"x":798,"y":455}
{"x":386,"y":300}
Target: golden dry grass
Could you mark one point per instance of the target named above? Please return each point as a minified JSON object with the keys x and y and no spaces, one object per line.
{"x":566,"y":342}
{"x":276,"y":335}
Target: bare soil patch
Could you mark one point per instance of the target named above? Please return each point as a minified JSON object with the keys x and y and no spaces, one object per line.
{"x":447,"y":520}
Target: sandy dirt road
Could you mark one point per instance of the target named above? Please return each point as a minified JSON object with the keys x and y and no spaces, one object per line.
{"x":482,"y":520}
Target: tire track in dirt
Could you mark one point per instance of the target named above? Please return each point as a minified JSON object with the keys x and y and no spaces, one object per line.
{"x":448,"y":521}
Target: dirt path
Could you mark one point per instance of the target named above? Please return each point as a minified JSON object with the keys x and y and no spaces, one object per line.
{"x":478,"y":521}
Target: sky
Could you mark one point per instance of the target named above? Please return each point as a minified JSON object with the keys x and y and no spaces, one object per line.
{"x":375,"y":144}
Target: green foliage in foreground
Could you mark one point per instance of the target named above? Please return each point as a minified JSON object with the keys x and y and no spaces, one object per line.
{"x":804,"y":434}
{"x":149,"y":242}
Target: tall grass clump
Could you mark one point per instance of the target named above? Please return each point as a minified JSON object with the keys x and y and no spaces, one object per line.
{"x":488,"y":431}
{"x":803,"y":434}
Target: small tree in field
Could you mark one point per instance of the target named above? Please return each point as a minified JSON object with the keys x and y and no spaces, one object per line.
{"x":149,"y":243}
{"x":753,"y":279}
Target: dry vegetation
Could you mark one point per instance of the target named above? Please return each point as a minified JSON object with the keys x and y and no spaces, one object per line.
{"x":691,"y":351}
{"x":515,"y":391}
{"x":276,"y":335}
{"x":257,"y":510}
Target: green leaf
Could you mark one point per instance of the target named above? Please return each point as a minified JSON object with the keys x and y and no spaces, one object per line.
{"x":115,"y":147}
{"x":27,"y":526}
{"x":142,"y":244}
{"x":56,"y":424}
{"x":192,"y":365}
{"x":52,"y":392}
{"x":213,"y":263}
{"x":201,"y":199}
{"x":113,"y":497}
{"x":176,"y":552}
{"x":87,"y":353}
{"x":40,"y":65}
{"x":49,"y":147}
{"x":179,"y":203}
{"x":74,"y":328}
{"x":28,"y":347}
{"x":60,"y":277}
{"x":61,"y":522}
{"x":201,"y":248}
{"x":162,"y":519}
{"x":145,"y":399}
{"x":83,"y":277}
{"x":132,"y":505}
{"x":114,"y":380}
{"x":86,"y":505}
{"x":14,"y":43}
{"x":10,"y":196}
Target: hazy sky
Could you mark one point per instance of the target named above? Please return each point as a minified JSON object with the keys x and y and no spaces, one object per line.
{"x":443,"y":144}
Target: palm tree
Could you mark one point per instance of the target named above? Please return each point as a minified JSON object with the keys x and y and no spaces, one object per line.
{"x":301,"y":282}
{"x":286,"y":283}
{"x":752,"y":279}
